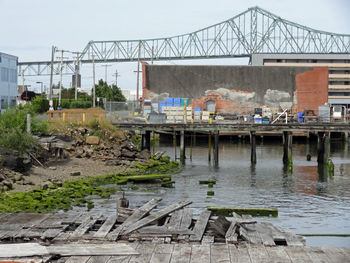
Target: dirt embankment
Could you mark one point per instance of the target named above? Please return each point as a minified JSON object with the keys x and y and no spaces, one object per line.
{"x":75,"y":153}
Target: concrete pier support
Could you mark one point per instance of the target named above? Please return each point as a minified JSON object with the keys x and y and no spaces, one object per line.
{"x":253,"y":147}
{"x":323,"y":147}
{"x":287,"y":148}
{"x":146,"y":140}
{"x":216,"y":148}
{"x":182,"y":147}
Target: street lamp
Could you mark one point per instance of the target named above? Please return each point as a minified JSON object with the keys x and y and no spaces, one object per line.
{"x":41,"y":86}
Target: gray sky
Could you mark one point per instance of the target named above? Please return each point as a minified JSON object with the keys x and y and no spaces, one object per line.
{"x":30,"y":27}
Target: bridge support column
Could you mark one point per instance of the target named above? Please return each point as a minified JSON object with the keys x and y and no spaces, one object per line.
{"x":253,"y":147}
{"x":216,"y":149}
{"x":182,"y":147}
{"x":146,"y":140}
{"x":288,"y":149}
{"x":323,"y":147}
{"x":209,"y":146}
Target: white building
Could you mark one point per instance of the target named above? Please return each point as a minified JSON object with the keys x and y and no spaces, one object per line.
{"x":8,"y":80}
{"x":130,"y":95}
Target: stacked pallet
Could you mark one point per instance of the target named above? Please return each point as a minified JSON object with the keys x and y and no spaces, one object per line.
{"x":175,"y":114}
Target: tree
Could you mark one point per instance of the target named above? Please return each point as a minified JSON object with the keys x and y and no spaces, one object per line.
{"x":110,"y":92}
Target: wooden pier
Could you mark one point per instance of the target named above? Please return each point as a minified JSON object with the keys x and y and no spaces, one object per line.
{"x":170,"y":234}
{"x":321,"y":130}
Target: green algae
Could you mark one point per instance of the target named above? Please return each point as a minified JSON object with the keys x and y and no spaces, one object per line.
{"x":210,"y":193}
{"x":227,"y":211}
{"x":64,"y":196}
{"x":207,"y":181}
{"x":167,"y":184}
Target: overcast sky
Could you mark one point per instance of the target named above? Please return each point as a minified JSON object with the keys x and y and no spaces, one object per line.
{"x":30,"y":27}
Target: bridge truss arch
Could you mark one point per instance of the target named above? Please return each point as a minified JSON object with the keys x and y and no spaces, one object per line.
{"x":251,"y":32}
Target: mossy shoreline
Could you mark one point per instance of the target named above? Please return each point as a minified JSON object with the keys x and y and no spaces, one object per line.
{"x":63,"y":196}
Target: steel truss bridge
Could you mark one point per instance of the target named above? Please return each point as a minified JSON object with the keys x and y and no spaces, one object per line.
{"x":253,"y":31}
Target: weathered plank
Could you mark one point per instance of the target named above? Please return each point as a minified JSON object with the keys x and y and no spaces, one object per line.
{"x":53,"y":232}
{"x":119,"y":259}
{"x":181,"y":253}
{"x":200,"y":226}
{"x":265,"y":233}
{"x":106,"y":227}
{"x":221,"y":225}
{"x":278,"y":254}
{"x":297,"y":254}
{"x":81,"y":259}
{"x":219,"y":253}
{"x":186,"y":219}
{"x":84,"y":227}
{"x":175,"y":219}
{"x":335,"y":254}
{"x":250,"y":234}
{"x":145,"y":250}
{"x":22,"y":250}
{"x":231,"y":234}
{"x":89,"y":249}
{"x":258,"y":254}
{"x":162,"y":253}
{"x":137,"y":215}
{"x":239,"y":254}
{"x":153,"y":217}
{"x":99,"y":259}
{"x":200,"y":254}
{"x":317,"y":254}
{"x":164,"y":230}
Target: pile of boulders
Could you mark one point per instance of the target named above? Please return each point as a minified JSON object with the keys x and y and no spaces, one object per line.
{"x":112,"y":150}
{"x":9,"y":177}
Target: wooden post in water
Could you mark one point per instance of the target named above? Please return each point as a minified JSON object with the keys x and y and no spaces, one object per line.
{"x":154,"y":142}
{"x":216,"y":149}
{"x":285,"y":147}
{"x":174,"y":144}
{"x":253,"y":147}
{"x":209,"y":147}
{"x":146,"y":140}
{"x":182,"y":147}
{"x":323,"y":148}
{"x":191,"y":145}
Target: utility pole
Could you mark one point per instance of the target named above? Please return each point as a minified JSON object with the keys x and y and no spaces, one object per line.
{"x":51,"y":71}
{"x":76,"y":75}
{"x":93,"y":85}
{"x":61,"y":69}
{"x":138,"y":75}
{"x":116,"y":77}
{"x":106,"y":65}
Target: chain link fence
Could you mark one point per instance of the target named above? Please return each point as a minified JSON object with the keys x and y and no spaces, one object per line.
{"x":119,"y":112}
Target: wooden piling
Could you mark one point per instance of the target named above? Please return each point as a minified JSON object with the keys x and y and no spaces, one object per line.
{"x":253,"y":147}
{"x":146,"y":140}
{"x":216,"y":149}
{"x":209,"y":147}
{"x":191,"y":145}
{"x":174,"y":144}
{"x":154,"y":142}
{"x":323,"y":148}
{"x":182,"y":147}
{"x":288,"y":150}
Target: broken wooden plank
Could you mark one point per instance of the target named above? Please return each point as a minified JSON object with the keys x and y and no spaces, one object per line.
{"x":78,"y":259}
{"x":153,"y":217}
{"x":164,"y":230}
{"x":84,"y":227}
{"x":221,"y":225}
{"x":137,"y":215}
{"x":53,"y":232}
{"x":106,"y":227}
{"x":231,"y":234}
{"x":265,"y":233}
{"x":250,"y":234}
{"x":175,"y":219}
{"x":186,"y":219}
{"x":200,"y":226}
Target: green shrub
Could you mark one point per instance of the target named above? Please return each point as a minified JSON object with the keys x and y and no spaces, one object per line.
{"x":65,"y":104}
{"x":80,"y":104}
{"x":39,"y":105}
{"x":16,"y":139}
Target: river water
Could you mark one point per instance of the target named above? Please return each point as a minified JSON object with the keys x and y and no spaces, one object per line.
{"x":308,"y":201}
